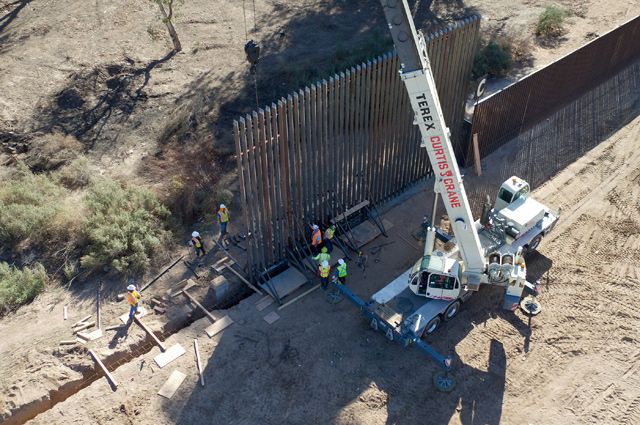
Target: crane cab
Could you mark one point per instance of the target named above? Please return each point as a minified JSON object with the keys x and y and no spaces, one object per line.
{"x":511,"y":190}
{"x":436,"y":276}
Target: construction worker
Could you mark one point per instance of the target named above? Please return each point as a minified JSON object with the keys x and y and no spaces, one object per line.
{"x":133,"y":298}
{"x":324,"y":270}
{"x":223,"y":218}
{"x":198,"y":245}
{"x":323,"y":256}
{"x":328,"y":236}
{"x":316,"y":239}
{"x":342,"y":271}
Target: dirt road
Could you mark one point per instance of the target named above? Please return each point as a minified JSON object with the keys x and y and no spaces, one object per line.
{"x":577,"y":363}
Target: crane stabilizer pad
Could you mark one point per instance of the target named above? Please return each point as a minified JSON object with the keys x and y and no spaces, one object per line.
{"x":530,"y":305}
{"x":444,"y":381}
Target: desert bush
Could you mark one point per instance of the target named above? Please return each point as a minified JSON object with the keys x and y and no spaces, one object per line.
{"x":494,"y":58}
{"x":76,"y":174}
{"x":20,"y":286}
{"x":51,"y":151}
{"x":551,"y":22}
{"x":125,"y":227}
{"x":224,"y":196}
{"x":28,"y":203}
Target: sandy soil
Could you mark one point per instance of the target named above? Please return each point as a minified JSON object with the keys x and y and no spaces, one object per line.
{"x":350,"y":376}
{"x":576,"y":363}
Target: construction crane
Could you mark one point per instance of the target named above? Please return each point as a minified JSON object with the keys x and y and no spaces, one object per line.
{"x":488,"y":251}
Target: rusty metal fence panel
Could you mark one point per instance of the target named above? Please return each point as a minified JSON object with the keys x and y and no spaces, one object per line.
{"x":325,"y":148}
{"x":502,"y":116}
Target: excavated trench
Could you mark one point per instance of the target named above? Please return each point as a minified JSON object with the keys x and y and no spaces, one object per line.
{"x":29,"y":411}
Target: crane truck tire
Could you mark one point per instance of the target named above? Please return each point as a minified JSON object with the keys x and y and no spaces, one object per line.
{"x":533,"y":245}
{"x":432,"y":326}
{"x":451,"y":311}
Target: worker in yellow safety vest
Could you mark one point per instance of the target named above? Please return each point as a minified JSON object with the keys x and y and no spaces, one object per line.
{"x":324,"y":270}
{"x":328,"y":237}
{"x":133,"y":298}
{"x":342,"y":271}
{"x":316,"y":239}
{"x":198,"y":245}
{"x":223,"y":218}
{"x":323,"y":256}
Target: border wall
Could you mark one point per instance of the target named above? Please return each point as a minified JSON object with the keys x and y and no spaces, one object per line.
{"x":323,"y":149}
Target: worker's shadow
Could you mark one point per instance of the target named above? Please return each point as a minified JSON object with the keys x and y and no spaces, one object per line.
{"x":121,"y":335}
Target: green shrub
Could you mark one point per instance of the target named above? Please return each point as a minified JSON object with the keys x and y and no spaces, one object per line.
{"x":19,"y":287}
{"x":76,"y":174}
{"x":28,"y":202}
{"x":125,"y":227}
{"x":224,"y":196}
{"x":51,"y":151}
{"x":551,"y":22}
{"x":494,"y":59}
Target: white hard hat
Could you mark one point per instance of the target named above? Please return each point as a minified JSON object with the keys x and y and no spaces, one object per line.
{"x":222,"y":206}
{"x":341,"y":261}
{"x":131,"y":288}
{"x":314,"y":227}
{"x":195,"y":234}
{"x":325,"y":264}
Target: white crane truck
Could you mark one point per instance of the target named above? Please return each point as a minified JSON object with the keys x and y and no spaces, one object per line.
{"x":488,"y":251}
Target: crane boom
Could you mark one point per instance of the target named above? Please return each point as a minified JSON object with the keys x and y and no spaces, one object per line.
{"x":418,"y":79}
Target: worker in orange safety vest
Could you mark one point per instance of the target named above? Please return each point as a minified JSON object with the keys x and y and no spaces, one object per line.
{"x":324,"y":270}
{"x":133,"y":298}
{"x":316,"y":239}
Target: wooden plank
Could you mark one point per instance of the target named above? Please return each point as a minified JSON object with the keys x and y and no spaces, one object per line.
{"x":110,"y":377}
{"x":82,"y":321}
{"x":198,"y":362}
{"x":271,"y":317}
{"x":304,"y":294}
{"x":159,"y":310}
{"x":83,"y":327}
{"x":200,"y":306}
{"x":162,"y":273}
{"x":350,"y":211}
{"x":286,"y":282}
{"x":218,"y":326}
{"x":476,"y":156}
{"x":150,"y":333}
{"x":113,"y":328}
{"x":96,"y":334}
{"x":264,"y":303}
{"x":65,"y":313}
{"x":232,"y":270}
{"x":69,"y":342}
{"x":172,"y":384}
{"x":169,"y":355}
{"x":190,"y":284}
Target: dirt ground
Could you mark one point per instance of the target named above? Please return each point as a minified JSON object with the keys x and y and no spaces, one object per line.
{"x":576,"y":363}
{"x":305,"y":368}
